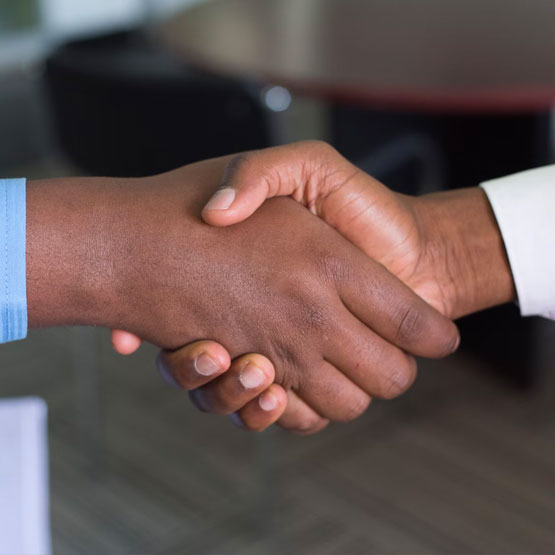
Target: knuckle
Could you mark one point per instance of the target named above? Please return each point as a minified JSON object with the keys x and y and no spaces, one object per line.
{"x":391,"y":389}
{"x":333,"y":268}
{"x":315,"y":317}
{"x":304,"y":424}
{"x":359,"y":407}
{"x":449,"y":343}
{"x":399,"y":380}
{"x":307,"y":424}
{"x":313,"y":310}
{"x":240,"y":163}
{"x":410,"y":326}
{"x":322,"y":148}
{"x":287,"y":372}
{"x":356,"y":408}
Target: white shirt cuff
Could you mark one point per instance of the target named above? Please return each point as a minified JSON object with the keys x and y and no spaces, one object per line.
{"x":524,"y":206}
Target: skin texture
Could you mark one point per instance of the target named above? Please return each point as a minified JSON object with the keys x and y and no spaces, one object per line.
{"x":134,"y":255}
{"x":446,"y":246}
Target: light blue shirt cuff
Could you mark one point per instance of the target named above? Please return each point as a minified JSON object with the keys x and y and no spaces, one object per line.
{"x":13,"y":280}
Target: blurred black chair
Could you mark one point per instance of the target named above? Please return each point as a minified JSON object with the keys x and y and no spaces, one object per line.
{"x":124,"y":107}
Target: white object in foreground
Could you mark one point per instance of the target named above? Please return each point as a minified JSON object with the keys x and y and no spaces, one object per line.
{"x":24,"y":514}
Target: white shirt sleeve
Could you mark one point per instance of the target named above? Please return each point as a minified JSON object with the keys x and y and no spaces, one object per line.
{"x":524,"y":206}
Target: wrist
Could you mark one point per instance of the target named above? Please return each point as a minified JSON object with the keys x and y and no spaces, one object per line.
{"x":71,"y":233}
{"x":464,"y":246}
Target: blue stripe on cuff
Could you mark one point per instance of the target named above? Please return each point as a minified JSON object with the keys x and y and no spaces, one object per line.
{"x":13,"y":279}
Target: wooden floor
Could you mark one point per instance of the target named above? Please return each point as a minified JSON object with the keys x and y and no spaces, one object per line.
{"x":462,"y":464}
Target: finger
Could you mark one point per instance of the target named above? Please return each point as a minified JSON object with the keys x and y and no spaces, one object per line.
{"x":194,"y":365}
{"x":263,"y":411}
{"x":247,"y":377}
{"x":251,"y":178}
{"x":386,"y":305}
{"x":332,"y":394}
{"x":299,"y":418}
{"x":375,"y":365}
{"x":125,"y":343}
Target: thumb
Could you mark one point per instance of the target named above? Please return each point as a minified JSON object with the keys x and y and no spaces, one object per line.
{"x":251,"y":178}
{"x":230,"y":205}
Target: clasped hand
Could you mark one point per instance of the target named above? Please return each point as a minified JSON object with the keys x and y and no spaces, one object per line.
{"x":315,"y":312}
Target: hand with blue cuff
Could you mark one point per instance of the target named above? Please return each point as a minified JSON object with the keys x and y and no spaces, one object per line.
{"x":134,"y":254}
{"x":446,"y":247}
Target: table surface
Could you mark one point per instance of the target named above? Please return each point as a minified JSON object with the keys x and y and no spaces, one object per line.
{"x":469,"y":55}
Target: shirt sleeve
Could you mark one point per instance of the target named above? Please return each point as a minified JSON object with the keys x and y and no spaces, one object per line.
{"x":524,"y":206}
{"x":13,"y":290}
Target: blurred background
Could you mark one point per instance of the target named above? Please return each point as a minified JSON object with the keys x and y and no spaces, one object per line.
{"x":421,"y":93}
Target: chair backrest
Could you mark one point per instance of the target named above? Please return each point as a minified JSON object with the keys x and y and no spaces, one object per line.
{"x":123,"y":107}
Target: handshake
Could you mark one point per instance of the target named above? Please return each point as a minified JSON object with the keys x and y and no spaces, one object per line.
{"x":317,"y":306}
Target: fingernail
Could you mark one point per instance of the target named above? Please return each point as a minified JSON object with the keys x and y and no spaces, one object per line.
{"x":222,"y":199}
{"x":206,"y":365}
{"x":251,"y":376}
{"x":267,"y":402}
{"x":236,"y":419}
